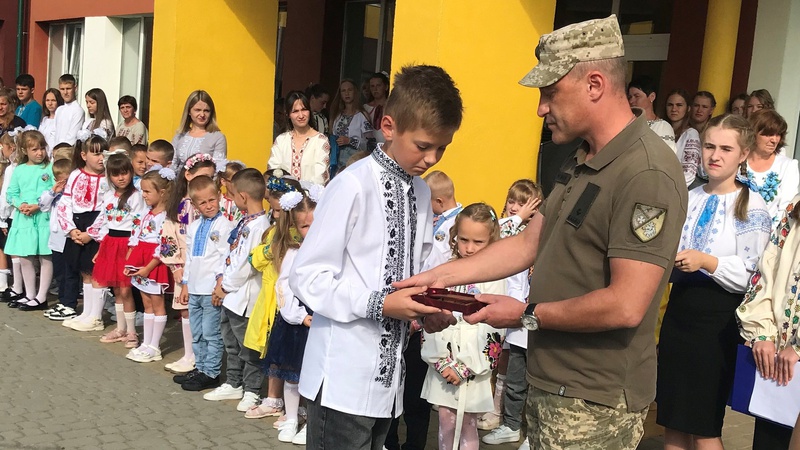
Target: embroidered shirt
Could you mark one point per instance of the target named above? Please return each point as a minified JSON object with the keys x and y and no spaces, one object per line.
{"x":239,"y":278}
{"x":112,"y":217}
{"x":83,"y":192}
{"x":207,"y":239}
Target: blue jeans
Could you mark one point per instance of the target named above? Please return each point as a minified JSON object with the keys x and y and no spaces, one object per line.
{"x":206,"y":336}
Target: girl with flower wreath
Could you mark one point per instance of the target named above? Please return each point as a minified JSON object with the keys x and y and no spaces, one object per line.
{"x":181,"y":213}
{"x":28,"y":238}
{"x":462,"y":356}
{"x":770,"y":173}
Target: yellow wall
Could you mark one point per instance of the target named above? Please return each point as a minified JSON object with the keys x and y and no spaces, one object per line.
{"x":226,"y":47}
{"x":719,"y":50}
{"x":487,"y":47}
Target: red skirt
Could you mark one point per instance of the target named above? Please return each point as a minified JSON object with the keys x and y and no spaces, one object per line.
{"x":110,"y":263}
{"x":158,"y":281}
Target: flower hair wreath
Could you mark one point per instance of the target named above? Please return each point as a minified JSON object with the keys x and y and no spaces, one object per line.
{"x":290,"y":200}
{"x":196,"y":158}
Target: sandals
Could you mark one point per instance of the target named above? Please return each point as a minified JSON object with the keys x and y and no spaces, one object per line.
{"x":263,"y":410}
{"x":131,"y":340}
{"x":114,"y":336}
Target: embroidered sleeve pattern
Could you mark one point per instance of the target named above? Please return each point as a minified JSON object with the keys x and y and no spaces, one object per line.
{"x":375,"y":306}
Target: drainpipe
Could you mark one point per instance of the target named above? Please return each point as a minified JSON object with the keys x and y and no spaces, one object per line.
{"x":20,"y":34}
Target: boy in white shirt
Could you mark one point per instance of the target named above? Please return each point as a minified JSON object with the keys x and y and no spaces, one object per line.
{"x":445,"y":209}
{"x":373,"y":227}
{"x":69,"y":116}
{"x":237,"y":287}
{"x":206,"y":249}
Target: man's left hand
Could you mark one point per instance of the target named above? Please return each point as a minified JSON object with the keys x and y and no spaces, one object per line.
{"x":501,"y":311}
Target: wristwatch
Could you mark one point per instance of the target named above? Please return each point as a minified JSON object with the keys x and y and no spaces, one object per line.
{"x":529,"y":320}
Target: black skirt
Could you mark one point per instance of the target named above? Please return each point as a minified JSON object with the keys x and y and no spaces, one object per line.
{"x":697,"y":356}
{"x":78,"y":258}
{"x":285,"y":349}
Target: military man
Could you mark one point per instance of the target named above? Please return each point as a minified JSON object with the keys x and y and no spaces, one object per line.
{"x":603,"y":245}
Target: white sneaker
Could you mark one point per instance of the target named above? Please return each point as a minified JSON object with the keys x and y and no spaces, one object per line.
{"x":224,"y":392}
{"x":525,"y":445}
{"x":501,"y":435}
{"x":180,"y":366}
{"x":90,"y":325}
{"x":146,"y":355}
{"x":288,"y":431}
{"x":248,"y":399}
{"x":300,"y":437}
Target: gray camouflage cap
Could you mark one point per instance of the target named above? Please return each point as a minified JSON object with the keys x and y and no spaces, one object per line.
{"x":559,"y":51}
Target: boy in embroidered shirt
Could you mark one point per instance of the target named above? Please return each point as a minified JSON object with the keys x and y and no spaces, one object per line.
{"x":373,"y":227}
{"x":69,"y":116}
{"x":445,"y":209}
{"x":159,"y":152}
{"x":238,"y":284}
{"x":207,"y":247}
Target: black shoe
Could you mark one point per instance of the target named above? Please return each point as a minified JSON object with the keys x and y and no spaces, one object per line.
{"x":13,"y":298}
{"x":24,"y":306}
{"x":5,"y":296}
{"x":200,"y":382}
{"x":180,"y":379}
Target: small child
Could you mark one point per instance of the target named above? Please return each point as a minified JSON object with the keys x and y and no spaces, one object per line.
{"x":77,"y":210}
{"x":180,"y":214}
{"x":237,"y":286}
{"x":372,"y":228}
{"x":159,"y":152}
{"x":462,"y":356}
{"x":276,"y":187}
{"x":207,"y":246}
{"x":8,"y":162}
{"x":522,"y":201}
{"x":445,"y":208}
{"x":29,"y":236}
{"x":148,"y":274}
{"x":119,"y":143}
{"x":226,"y":170}
{"x":138,"y":155}
{"x":122,"y":207}
{"x":48,"y":202}
{"x":287,"y":340}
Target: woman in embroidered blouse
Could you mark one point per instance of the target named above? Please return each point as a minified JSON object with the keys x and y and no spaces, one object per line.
{"x":771,"y":174}
{"x":769,"y":317}
{"x":199,"y":132}
{"x":687,"y":139}
{"x":302,"y":151}
{"x":725,"y":233}
{"x":51,"y":100}
{"x":350,"y":123}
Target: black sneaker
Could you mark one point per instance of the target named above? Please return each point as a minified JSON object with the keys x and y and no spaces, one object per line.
{"x":200,"y":382}
{"x":180,"y":379}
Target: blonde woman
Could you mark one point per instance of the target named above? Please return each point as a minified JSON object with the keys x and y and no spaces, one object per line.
{"x":199,"y":132}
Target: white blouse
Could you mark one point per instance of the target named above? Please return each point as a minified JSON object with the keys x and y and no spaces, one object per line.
{"x":664,"y":130}
{"x":712,"y":228}
{"x":83,"y":192}
{"x":291,"y":310}
{"x":777,"y":185}
{"x":48,"y":128}
{"x":112,"y":217}
{"x":311,"y":162}
{"x":689,"y":154}
{"x":148,"y":230}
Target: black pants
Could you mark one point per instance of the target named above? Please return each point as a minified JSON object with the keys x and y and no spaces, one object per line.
{"x":416,"y":410}
{"x":329,"y":429}
{"x":770,"y":436}
{"x":69,"y":283}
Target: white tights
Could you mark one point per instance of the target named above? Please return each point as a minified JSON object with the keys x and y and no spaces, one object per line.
{"x":447,"y":429}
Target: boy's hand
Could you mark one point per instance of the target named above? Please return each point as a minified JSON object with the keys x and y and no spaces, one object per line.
{"x":183,"y":298}
{"x":59,"y":186}
{"x":400,"y":305}
{"x":307,"y":321}
{"x":528,"y":209}
{"x":218,"y":292}
{"x":450,"y":375}
{"x":215,"y":301}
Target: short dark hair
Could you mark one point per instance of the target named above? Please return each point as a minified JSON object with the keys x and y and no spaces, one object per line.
{"x":137,"y":148}
{"x":120,"y":142}
{"x":644,"y":84}
{"x":67,"y":78}
{"x":199,"y":183}
{"x":251,"y":182}
{"x":316,"y":90}
{"x":164,"y":147}
{"x":26,"y":80}
{"x":128,"y":100}
{"x":424,"y":97}
{"x":707,"y":95}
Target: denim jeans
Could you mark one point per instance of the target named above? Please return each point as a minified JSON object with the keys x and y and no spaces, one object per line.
{"x":206,"y":335}
{"x":329,"y":429}
{"x":516,"y":387}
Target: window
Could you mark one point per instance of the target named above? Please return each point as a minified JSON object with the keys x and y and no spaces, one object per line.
{"x":66,"y":51}
{"x":367,"y":43}
{"x":135,"y":58}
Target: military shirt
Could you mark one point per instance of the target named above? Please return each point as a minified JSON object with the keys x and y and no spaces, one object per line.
{"x":628,"y":201}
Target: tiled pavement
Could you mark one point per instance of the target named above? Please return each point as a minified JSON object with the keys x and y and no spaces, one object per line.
{"x":61,"y":389}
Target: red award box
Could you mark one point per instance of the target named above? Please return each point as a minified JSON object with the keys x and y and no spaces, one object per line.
{"x":451,"y":301}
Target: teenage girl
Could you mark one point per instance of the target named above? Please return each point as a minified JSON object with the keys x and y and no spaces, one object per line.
{"x":121,"y":206}
{"x":462,"y":356}
{"x":29,"y":237}
{"x":79,"y":206}
{"x":144,"y":266}
{"x":180,"y":213}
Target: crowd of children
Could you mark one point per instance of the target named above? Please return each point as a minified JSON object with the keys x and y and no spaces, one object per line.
{"x":123,"y":222}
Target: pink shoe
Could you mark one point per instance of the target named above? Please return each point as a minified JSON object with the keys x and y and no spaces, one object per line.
{"x":114,"y":336}
{"x":131,"y":340}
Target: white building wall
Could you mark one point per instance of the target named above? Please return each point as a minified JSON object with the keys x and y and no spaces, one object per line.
{"x":102,"y":53}
{"x":776,"y":64}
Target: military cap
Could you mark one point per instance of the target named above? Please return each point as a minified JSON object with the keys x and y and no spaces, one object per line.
{"x":559,"y":51}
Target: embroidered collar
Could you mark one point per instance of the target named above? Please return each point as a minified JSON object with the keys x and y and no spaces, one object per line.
{"x":250,"y":217}
{"x":210,"y":219}
{"x":390,"y":165}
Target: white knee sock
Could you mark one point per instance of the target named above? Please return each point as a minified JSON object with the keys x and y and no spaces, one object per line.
{"x":98,"y":302}
{"x":88,"y":301}
{"x":122,"y":325}
{"x":499,"y":394}
{"x":4,"y":273}
{"x":130,"y":321}
{"x":148,"y":328}
{"x":291,"y":400}
{"x":159,"y":323}
{"x":15,"y":265}
{"x":45,"y":277}
{"x":28,"y":276}
{"x":188,"y":352}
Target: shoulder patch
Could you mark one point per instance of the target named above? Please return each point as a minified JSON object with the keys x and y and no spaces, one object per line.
{"x":647,"y":221}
